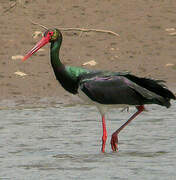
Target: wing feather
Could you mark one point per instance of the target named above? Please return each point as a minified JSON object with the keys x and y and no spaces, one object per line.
{"x":111,"y":90}
{"x":124,"y":88}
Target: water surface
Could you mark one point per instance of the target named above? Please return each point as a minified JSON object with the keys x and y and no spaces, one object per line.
{"x":64,"y":143}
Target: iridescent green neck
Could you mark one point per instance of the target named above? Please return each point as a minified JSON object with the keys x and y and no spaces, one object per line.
{"x":68,"y":76}
{"x":54,"y":53}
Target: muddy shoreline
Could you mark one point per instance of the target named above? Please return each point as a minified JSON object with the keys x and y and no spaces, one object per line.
{"x":145,"y":47}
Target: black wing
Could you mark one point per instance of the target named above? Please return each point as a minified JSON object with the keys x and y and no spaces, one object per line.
{"x":118,"y":89}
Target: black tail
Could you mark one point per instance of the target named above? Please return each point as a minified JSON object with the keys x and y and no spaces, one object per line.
{"x":156,"y":86}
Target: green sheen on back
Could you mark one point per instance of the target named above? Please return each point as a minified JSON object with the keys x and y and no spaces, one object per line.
{"x":75,"y":72}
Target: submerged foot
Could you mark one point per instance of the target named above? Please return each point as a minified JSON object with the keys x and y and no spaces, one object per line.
{"x":114,"y":142}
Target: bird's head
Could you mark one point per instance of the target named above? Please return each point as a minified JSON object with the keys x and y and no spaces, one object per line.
{"x":50,"y":35}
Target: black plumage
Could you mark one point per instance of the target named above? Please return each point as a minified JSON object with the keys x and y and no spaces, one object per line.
{"x":104,"y":88}
{"x":124,"y":88}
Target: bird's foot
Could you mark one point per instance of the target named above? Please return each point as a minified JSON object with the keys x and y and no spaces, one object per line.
{"x":114,"y":142}
{"x":103,"y":148}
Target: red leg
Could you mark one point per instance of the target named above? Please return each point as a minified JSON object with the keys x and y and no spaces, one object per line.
{"x":104,"y":137}
{"x":114,"y":138}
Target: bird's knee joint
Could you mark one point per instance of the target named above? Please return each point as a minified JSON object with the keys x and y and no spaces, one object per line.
{"x":104,"y":137}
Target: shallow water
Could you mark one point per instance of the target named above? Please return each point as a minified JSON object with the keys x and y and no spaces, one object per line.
{"x":64,"y":143}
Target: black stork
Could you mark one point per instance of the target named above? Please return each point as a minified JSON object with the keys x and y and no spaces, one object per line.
{"x":104,"y":88}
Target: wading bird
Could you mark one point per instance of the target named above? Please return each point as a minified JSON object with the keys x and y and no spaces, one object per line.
{"x":104,"y":88}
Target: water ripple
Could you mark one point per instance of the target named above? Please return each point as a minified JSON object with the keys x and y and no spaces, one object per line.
{"x":65,"y":143}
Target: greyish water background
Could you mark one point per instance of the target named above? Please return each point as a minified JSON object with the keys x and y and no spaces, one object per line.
{"x":54,"y":143}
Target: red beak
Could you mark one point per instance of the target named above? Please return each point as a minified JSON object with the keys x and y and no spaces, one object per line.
{"x":40,"y":44}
